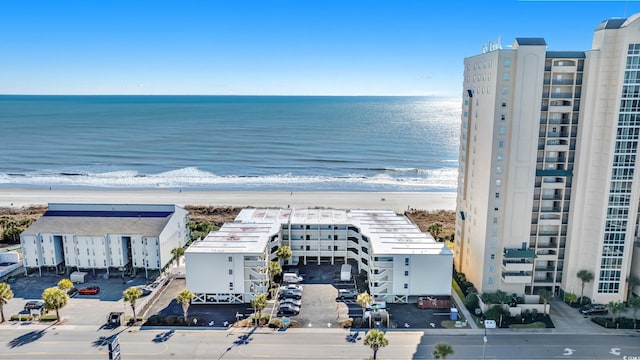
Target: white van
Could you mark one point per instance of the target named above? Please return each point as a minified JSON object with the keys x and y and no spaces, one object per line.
{"x":291,"y":278}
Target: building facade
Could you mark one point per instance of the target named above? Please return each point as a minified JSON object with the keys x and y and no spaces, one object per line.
{"x":548,"y":184}
{"x":126,"y":238}
{"x":399,"y":260}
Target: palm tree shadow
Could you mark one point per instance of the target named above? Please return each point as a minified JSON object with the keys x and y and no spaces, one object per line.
{"x":27,"y":338}
{"x":106,"y":340}
{"x":242,"y":340}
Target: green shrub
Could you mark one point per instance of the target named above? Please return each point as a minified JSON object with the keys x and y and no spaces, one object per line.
{"x":48,"y":318}
{"x":471,"y":302}
{"x":171,"y":320}
{"x":275,"y":323}
{"x":21,"y":317}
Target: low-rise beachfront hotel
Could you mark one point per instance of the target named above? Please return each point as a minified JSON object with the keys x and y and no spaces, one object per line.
{"x":232,"y":264}
{"x":548,"y":180}
{"x":112,"y":237}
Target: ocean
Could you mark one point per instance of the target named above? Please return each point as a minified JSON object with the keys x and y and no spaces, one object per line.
{"x":230,"y":143}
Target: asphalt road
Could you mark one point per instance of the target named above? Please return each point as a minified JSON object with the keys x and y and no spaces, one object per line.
{"x":69,"y":342}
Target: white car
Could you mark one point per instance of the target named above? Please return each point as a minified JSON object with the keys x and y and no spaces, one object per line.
{"x":294,"y":287}
{"x":347,"y":294}
{"x":294,"y":302}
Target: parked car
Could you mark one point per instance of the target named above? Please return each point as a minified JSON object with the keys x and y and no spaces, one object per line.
{"x":90,"y":290}
{"x":594,"y":309}
{"x":34,"y":305}
{"x":288,"y":310}
{"x":290,"y":294}
{"x":72,"y":292}
{"x":290,"y":301}
{"x":295,"y":287}
{"x":347,"y":294}
{"x":145,"y":290}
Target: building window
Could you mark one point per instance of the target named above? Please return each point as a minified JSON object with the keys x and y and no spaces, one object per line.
{"x":230,"y":258}
{"x":497,"y":195}
{"x":231,"y":286}
{"x":501,"y":130}
{"x":492,"y":268}
{"x":230,"y":271}
{"x":504,"y":104}
{"x":490,"y":280}
{"x":495,"y":220}
{"x":493,"y":256}
{"x":406,"y":273}
{"x":501,"y":144}
{"x":505,"y":91}
{"x":505,"y":76}
{"x":406,"y":261}
{"x":507,"y":62}
{"x":499,"y":182}
{"x":406,"y":286}
{"x":503,"y":117}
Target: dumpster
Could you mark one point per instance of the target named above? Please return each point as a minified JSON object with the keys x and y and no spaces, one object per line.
{"x":453,"y":315}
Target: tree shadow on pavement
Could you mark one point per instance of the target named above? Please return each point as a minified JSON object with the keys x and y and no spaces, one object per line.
{"x":162,"y":337}
{"x":106,"y":340}
{"x":244,"y":339}
{"x":27,"y":338}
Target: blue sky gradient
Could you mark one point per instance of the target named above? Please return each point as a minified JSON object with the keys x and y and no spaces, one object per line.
{"x":272,"y":47}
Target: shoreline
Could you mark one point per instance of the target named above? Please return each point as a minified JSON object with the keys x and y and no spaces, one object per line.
{"x":396,"y":201}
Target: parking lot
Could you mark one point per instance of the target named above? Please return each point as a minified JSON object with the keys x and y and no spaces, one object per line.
{"x":320,"y":307}
{"x":81,"y":309}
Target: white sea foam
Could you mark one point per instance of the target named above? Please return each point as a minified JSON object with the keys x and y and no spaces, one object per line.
{"x":192,"y":177}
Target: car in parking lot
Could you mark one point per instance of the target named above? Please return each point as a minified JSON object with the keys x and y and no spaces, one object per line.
{"x":295,"y":287}
{"x":90,"y":290}
{"x":290,"y":294}
{"x":594,"y":309}
{"x":347,"y":294}
{"x":288,"y":310}
{"x":34,"y":305}
{"x":290,"y":301}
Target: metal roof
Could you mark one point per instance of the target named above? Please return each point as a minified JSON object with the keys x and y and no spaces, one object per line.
{"x":98,"y":220}
{"x":388,"y":232}
{"x":610,"y":24}
{"x":566,"y":54}
{"x":531,"y":41}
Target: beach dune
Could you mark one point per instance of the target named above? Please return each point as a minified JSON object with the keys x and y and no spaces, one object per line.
{"x":396,"y":201}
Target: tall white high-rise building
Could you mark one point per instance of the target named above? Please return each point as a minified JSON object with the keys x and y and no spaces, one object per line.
{"x":548,"y":179}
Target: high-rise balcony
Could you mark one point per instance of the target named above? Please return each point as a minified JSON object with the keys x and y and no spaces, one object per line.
{"x":511,"y":266}
{"x":521,"y":277}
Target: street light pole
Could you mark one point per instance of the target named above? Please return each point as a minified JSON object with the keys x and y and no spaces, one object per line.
{"x":484,"y":343}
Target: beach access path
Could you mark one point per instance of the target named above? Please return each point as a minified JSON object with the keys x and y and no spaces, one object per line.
{"x":396,"y":201}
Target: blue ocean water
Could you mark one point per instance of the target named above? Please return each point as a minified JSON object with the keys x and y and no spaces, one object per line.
{"x":257,"y":143}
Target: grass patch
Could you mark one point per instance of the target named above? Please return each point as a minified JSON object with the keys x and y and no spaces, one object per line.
{"x":21,"y":317}
{"x":457,"y":289}
{"x":535,"y":325}
{"x":451,"y":324}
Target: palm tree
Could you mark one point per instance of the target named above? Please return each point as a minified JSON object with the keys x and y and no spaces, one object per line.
{"x":274,"y":269}
{"x":284,"y":253}
{"x":54,"y":299}
{"x":364,"y":299}
{"x":184,"y":297}
{"x":375,"y":339}
{"x":5,"y":295}
{"x":585,"y":277}
{"x":177,"y":253}
{"x":632,"y":282}
{"x":131,"y":295}
{"x":259,"y":303}
{"x":441,"y":351}
{"x":634,"y":303}
{"x":545,"y":295}
{"x":65,"y":285}
{"x":616,"y":307}
{"x":435,"y":229}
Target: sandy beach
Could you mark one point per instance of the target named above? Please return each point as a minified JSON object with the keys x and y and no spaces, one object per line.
{"x":396,"y":201}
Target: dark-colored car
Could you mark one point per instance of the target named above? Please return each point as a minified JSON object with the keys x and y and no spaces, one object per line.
{"x":34,"y":304}
{"x":288,"y":310}
{"x":290,"y":294}
{"x":90,"y":290}
{"x":594,"y":309}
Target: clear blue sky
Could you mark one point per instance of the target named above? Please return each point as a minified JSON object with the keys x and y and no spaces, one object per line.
{"x":272,"y":47}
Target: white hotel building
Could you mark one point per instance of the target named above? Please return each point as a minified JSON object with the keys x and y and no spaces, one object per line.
{"x":102,"y":236}
{"x":548,"y":179}
{"x":231,"y":265}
